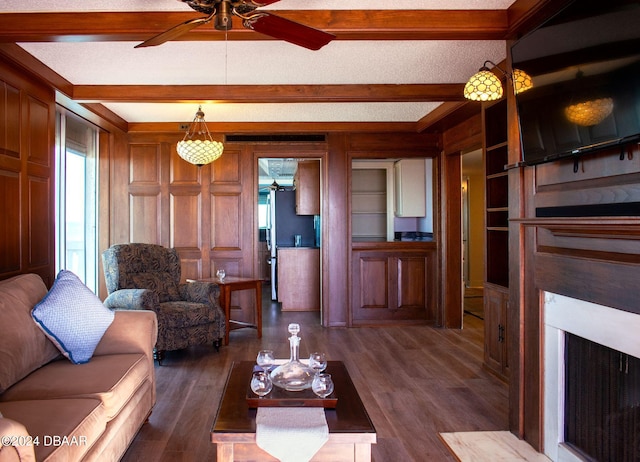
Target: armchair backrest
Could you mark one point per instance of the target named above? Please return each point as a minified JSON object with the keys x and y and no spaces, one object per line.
{"x":143,"y":266}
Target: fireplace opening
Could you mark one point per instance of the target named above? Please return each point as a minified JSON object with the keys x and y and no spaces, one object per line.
{"x":602,"y":401}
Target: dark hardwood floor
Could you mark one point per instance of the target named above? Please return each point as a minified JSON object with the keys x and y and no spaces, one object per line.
{"x":415,"y":382}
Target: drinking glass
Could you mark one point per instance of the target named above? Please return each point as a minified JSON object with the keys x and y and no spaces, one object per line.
{"x":318,"y":362}
{"x":261,"y":383}
{"x":265,"y":359}
{"x":322,"y":385}
{"x":221,"y":274}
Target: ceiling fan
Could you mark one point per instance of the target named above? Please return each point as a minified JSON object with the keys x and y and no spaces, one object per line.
{"x":222,"y":11}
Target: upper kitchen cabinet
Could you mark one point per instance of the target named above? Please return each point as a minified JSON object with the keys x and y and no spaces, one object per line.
{"x":307,"y":185}
{"x":410,"y":185}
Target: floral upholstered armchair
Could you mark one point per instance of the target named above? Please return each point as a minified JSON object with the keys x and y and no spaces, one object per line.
{"x":147,"y":277}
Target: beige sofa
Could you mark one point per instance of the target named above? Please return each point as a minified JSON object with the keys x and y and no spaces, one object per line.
{"x":72,"y":412}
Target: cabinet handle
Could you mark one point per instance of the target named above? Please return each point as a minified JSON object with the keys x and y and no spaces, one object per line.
{"x":500,"y":333}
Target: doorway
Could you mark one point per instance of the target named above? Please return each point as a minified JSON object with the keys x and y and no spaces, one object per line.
{"x":473,"y":181}
{"x":289,"y":230}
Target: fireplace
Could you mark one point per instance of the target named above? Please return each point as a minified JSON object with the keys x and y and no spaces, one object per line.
{"x":582,"y":328}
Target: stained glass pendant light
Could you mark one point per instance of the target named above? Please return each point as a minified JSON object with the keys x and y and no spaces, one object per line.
{"x":198,"y":146}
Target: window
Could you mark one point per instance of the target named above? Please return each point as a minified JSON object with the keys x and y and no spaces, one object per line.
{"x":76,"y":197}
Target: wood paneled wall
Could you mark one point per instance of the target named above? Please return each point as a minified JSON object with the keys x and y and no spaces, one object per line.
{"x":210,"y":213}
{"x":27,"y":136}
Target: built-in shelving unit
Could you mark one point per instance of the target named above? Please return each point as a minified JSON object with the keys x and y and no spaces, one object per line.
{"x":371,"y":202}
{"x":496,"y":292}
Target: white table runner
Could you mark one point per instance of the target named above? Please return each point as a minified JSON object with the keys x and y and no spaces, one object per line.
{"x":291,"y":434}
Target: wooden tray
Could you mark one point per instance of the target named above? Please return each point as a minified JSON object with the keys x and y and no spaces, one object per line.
{"x":279,"y":397}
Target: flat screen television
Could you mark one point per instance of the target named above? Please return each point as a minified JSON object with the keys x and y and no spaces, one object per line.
{"x":585,"y":67}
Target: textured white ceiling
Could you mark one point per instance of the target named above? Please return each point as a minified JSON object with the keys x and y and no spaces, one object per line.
{"x":265,"y":62}
{"x":177,"y":5}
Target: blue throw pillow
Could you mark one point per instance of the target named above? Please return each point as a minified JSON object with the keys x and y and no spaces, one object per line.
{"x":73,"y":317}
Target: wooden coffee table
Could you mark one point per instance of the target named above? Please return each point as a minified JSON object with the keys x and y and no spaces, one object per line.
{"x":351,"y":432}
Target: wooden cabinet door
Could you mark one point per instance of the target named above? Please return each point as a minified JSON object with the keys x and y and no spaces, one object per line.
{"x":496,"y":300}
{"x":392,"y":286}
{"x":307,"y":183}
{"x":299,"y":279}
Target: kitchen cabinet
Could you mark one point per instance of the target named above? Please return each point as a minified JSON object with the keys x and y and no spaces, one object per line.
{"x":410,"y":188}
{"x":307,"y":185}
{"x":299,"y":278}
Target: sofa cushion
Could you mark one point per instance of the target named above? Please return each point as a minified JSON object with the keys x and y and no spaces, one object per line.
{"x":112,"y":379}
{"x":73,"y":317}
{"x":82,"y":421}
{"x":23,"y":347}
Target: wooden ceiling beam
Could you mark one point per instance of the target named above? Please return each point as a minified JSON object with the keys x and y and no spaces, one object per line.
{"x":269,"y":93}
{"x":281,"y":127}
{"x":345,"y":24}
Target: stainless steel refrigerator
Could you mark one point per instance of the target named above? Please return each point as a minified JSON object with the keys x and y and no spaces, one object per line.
{"x":283,"y":225}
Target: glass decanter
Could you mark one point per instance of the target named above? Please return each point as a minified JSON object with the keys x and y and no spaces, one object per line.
{"x":293,"y":375}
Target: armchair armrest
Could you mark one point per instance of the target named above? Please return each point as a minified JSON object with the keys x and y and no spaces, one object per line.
{"x":201,"y":292}
{"x":17,"y":453}
{"x":132,"y":299}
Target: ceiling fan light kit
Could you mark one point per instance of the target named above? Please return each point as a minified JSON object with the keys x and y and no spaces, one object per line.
{"x":199,"y":151}
{"x":485,"y":85}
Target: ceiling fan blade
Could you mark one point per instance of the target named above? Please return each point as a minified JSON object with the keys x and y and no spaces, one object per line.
{"x":289,"y":31}
{"x":174,"y":32}
{"x":259,"y":3}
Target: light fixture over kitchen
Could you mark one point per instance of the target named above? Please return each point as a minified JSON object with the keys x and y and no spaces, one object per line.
{"x":485,"y":85}
{"x":198,"y":146}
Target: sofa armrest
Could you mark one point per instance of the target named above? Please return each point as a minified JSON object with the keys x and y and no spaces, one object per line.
{"x":18,"y":452}
{"x":132,"y":299}
{"x":200,"y":292}
{"x":132,"y":331}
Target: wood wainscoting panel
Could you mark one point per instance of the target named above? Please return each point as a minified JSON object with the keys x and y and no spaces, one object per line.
{"x":40,"y":222}
{"x":38,"y":133}
{"x":27,"y":150}
{"x":411,"y":276}
{"x":9,"y":120}
{"x":226,"y":226}
{"x":144,"y":164}
{"x":371,"y":297}
{"x":228,"y":171}
{"x":145,"y":218}
{"x":10,"y":227}
{"x":185,"y":219}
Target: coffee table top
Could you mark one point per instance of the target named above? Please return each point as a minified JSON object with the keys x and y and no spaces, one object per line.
{"x":235,"y":416}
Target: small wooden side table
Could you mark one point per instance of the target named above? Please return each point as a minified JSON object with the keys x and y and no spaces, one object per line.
{"x":230,"y":284}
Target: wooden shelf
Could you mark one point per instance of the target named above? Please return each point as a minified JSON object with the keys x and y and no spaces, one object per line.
{"x":497,"y":146}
